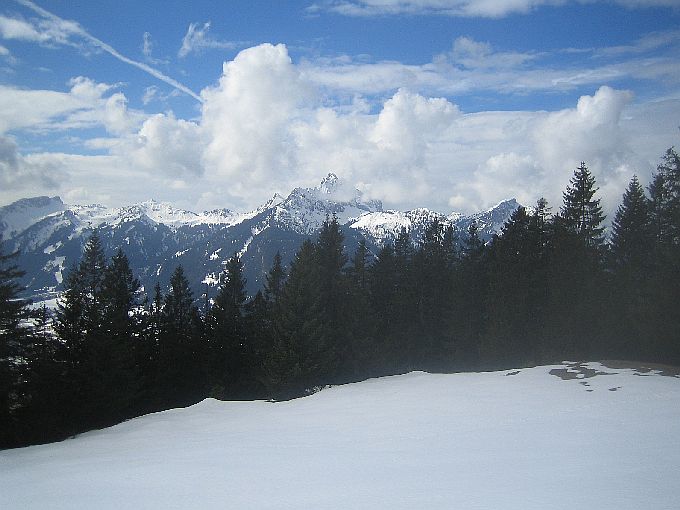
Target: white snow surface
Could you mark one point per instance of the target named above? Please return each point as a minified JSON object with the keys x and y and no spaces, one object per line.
{"x":500,"y":440}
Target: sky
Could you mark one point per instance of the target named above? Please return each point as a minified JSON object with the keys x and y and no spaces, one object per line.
{"x":453,"y":105}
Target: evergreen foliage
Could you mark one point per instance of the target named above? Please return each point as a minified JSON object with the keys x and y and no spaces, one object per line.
{"x":14,"y":336}
{"x":581,"y":212}
{"x":631,"y":238}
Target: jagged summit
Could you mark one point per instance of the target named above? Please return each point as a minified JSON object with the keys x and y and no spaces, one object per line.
{"x":305,"y":209}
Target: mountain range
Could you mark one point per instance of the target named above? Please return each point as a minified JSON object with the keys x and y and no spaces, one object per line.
{"x":156,"y":237}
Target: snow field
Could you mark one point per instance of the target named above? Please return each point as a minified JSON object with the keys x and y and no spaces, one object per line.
{"x":491,"y":440}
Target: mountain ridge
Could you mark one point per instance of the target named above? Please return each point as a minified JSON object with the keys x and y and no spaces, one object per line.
{"x":157,"y":236}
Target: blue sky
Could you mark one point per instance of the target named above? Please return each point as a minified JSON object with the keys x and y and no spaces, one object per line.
{"x":450,"y":104}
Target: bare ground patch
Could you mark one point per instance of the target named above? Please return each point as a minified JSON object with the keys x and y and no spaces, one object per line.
{"x":642,"y":368}
{"x":576,"y":371}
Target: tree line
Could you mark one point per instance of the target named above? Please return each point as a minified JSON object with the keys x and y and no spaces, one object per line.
{"x":549,"y":287}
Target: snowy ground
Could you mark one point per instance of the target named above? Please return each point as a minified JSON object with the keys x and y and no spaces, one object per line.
{"x":507,"y":440}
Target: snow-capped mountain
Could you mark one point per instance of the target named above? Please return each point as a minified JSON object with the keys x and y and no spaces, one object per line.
{"x":20,"y":215}
{"x":157,"y":237}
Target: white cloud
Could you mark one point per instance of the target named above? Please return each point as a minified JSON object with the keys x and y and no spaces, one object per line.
{"x":149,"y":95}
{"x":473,"y":55}
{"x":197,"y":39}
{"x":266,"y":127}
{"x":40,"y":32}
{"x":53,"y":29}
{"x":147,"y":44}
{"x":84,"y":106}
{"x":164,"y":146}
{"x":591,"y":132}
{"x":34,"y":108}
{"x":19,"y":174}
{"x":472,"y":66}
{"x":459,"y":8}
{"x":246,"y":118}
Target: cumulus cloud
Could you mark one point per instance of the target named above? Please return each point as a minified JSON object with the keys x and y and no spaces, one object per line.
{"x":165,"y":145}
{"x":266,"y":126}
{"x":590,"y":132}
{"x":246,"y":117}
{"x":197,"y":39}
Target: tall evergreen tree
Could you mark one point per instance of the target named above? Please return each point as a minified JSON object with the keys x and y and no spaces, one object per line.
{"x":631,"y":238}
{"x":14,"y":337}
{"x":331,"y":259}
{"x":80,"y":325}
{"x":298,"y":360}
{"x":663,"y":321}
{"x":581,"y":211}
{"x":577,"y":283}
{"x":665,"y":200}
{"x":180,"y":360}
{"x":121,"y":342}
{"x":226,"y":334}
{"x":275,"y":280}
{"x":433,"y":347}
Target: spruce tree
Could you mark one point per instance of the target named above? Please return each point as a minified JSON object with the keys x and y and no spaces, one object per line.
{"x":631,"y":229}
{"x":121,"y":342}
{"x":274,"y":280}
{"x":80,"y":325}
{"x":581,"y":211}
{"x":333,"y":310}
{"x":297,"y":362}
{"x":14,"y":337}
{"x":225,"y":331}
{"x":578,"y":292}
{"x":180,"y":361}
{"x":663,"y":321}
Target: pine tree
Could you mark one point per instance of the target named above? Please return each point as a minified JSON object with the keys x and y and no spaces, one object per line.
{"x":631,"y":229}
{"x":14,"y":337}
{"x":433,"y":347}
{"x":297,"y":362}
{"x":577,"y":282}
{"x":225,"y":331}
{"x":333,"y":304}
{"x":513,"y":296}
{"x":359,"y":268}
{"x":581,"y":212}
{"x":121,"y":343}
{"x":473,"y":245}
{"x":80,"y":325}
{"x":275,"y":280}
{"x":470,"y":286}
{"x":665,"y":200}
{"x":662,"y":319}
{"x":180,"y":360}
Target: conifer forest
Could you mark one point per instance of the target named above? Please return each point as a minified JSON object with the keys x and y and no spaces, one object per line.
{"x":552,"y":286}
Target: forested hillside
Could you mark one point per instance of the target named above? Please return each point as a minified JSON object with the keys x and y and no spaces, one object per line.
{"x":549,"y":287}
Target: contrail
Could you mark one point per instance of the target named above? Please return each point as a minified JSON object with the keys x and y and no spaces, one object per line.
{"x":75,"y":28}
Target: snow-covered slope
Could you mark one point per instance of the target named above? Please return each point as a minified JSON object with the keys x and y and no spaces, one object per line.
{"x":18,"y":216}
{"x":560,"y":437}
